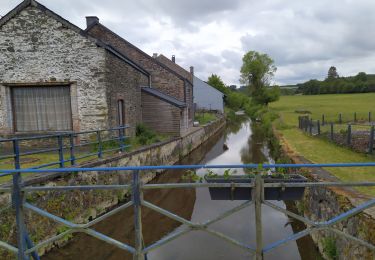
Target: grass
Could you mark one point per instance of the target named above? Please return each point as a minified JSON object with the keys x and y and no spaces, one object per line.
{"x":204,"y":117}
{"x":322,"y":151}
{"x":329,"y":105}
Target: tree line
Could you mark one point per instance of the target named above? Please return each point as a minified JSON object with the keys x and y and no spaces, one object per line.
{"x":334,"y":84}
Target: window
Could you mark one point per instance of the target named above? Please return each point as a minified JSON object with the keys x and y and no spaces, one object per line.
{"x":121,"y":112}
{"x":41,"y":108}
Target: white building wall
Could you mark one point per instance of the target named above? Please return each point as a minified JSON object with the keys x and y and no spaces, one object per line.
{"x":207,"y":97}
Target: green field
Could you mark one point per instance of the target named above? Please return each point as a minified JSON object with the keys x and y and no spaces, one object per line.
{"x":322,"y":151}
{"x":329,"y":105}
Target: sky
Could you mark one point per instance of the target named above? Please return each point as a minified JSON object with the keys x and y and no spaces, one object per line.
{"x":303,"y":37}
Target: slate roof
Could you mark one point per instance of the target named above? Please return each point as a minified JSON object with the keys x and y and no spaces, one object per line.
{"x":161,"y":95}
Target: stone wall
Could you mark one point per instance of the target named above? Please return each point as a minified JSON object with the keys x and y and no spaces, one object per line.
{"x":124,"y":83}
{"x":37,"y":49}
{"x":161,"y":78}
{"x":322,"y":204}
{"x":80,"y":207}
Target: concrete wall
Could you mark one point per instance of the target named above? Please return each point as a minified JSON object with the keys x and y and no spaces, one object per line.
{"x":37,"y":49}
{"x":207,"y":97}
{"x":81,"y":207}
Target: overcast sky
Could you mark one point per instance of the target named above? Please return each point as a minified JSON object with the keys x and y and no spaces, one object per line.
{"x":303,"y":37}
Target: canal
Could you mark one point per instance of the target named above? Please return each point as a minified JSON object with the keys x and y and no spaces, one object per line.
{"x":238,"y":143}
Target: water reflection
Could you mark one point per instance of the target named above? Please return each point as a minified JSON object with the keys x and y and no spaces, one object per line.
{"x":245,"y":145}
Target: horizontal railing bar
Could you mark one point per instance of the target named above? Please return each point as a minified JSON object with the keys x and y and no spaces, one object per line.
{"x":194,"y":185}
{"x":39,"y":151}
{"x":5,"y":189}
{"x":46,"y":165}
{"x":181,"y":167}
{"x":289,"y":213}
{"x":85,"y":156}
{"x":77,"y":187}
{"x":63,"y":134}
{"x":166,"y":239}
{"x":317,"y":184}
{"x":7,"y":156}
{"x":108,"y":214}
{"x":8,"y":247}
{"x":48,"y":241}
{"x":115,"y":149}
{"x":108,"y":240}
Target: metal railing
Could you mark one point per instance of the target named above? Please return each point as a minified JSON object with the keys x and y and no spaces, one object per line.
{"x":68,"y":147}
{"x":25,"y":248}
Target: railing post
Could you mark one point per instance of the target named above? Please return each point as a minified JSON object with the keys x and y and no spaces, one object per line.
{"x":371,"y":141}
{"x":318,"y":124}
{"x":340,"y":118}
{"x":61,"y":150}
{"x":331,"y":131}
{"x":258,"y":199}
{"x":323,"y":120}
{"x":122,"y":139}
{"x":17,"y":202}
{"x":349,"y":136}
{"x":137,"y":200}
{"x":355,"y":116}
{"x":310,"y":126}
{"x":100,"y":144}
{"x":72,"y":154}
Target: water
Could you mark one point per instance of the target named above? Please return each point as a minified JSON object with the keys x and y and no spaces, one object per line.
{"x":245,"y":145}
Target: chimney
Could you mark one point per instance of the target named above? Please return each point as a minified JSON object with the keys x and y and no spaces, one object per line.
{"x":174,"y":58}
{"x":90,"y":20}
{"x":192,"y":70}
{"x":154,"y":55}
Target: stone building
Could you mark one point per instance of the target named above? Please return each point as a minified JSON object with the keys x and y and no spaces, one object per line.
{"x":164,"y":81}
{"x":56,"y":77}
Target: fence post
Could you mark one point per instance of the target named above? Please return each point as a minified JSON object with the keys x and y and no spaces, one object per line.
{"x":61,"y":150}
{"x":355,"y":116}
{"x":72,"y":155}
{"x":340,"y":118}
{"x":349,"y":135}
{"x":369,"y":117}
{"x":331,"y":131}
{"x":371,"y":141}
{"x":137,"y":201}
{"x":306,"y":124}
{"x":17,"y":203}
{"x":258,"y":216}
{"x":310,"y":122}
{"x":100,"y":144}
{"x":299,"y":122}
{"x":323,"y":120}
{"x":318,"y":124}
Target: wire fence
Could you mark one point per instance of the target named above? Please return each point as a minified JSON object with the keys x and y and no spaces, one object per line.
{"x":25,"y":247}
{"x":60,"y":149}
{"x":359,"y":137}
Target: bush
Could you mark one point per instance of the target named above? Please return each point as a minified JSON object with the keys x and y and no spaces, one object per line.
{"x":145,"y":135}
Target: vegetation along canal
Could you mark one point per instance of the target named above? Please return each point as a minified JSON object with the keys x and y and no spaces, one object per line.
{"x":238,"y":143}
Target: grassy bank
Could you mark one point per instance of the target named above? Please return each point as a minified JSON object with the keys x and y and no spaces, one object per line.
{"x":318,"y":150}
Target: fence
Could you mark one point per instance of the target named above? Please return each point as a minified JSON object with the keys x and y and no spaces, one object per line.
{"x":25,"y":248}
{"x":359,"y":137}
{"x":341,"y":118}
{"x":62,"y":148}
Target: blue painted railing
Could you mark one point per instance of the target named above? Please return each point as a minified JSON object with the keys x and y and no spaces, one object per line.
{"x":65,"y":146}
{"x":25,"y":248}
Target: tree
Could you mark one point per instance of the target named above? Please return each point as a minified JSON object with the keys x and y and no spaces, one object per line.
{"x":216,"y":82}
{"x":332,"y":73}
{"x":257,"y":72}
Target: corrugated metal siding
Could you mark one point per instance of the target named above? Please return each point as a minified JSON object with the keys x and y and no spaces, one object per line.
{"x":160,"y":115}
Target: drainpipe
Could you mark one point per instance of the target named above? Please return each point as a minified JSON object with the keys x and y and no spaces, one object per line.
{"x":149,"y":81}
